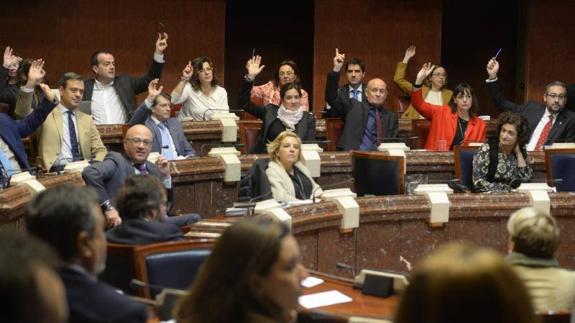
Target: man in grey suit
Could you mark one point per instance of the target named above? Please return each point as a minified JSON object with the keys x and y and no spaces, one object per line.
{"x":111,"y":96}
{"x":108,"y":176}
{"x":169,"y":139}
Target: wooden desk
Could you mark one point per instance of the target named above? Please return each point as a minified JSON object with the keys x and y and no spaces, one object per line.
{"x":397,"y":226}
{"x":361,"y":305}
{"x":14,"y":199}
{"x":199,"y":186}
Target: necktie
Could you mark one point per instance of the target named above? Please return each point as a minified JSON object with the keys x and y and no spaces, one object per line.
{"x":166,"y":142}
{"x":544,"y":134}
{"x":355,"y":94}
{"x":378,"y":126}
{"x":73,"y":139}
{"x":142,"y":168}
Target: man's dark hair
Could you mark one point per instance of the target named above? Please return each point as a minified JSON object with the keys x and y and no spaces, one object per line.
{"x":94,"y":57}
{"x":20,"y":259}
{"x":354,"y":61}
{"x":69,"y":76}
{"x":140,"y":195}
{"x":59,"y":214}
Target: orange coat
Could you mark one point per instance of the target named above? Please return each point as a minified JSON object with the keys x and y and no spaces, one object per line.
{"x":444,"y":123}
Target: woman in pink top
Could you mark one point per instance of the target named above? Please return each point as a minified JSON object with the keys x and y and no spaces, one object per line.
{"x":269,"y":93}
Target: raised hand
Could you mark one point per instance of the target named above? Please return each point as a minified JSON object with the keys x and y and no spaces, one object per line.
{"x":492,"y":68}
{"x":47,"y":91}
{"x":163,"y":165}
{"x":36,"y":73}
{"x":9,"y":58}
{"x":254,"y":67}
{"x":338,"y":60}
{"x":161,"y":43}
{"x":409,"y":53}
{"x":154,"y":89}
{"x":188,"y":71}
{"x":112,"y":218}
{"x":424,"y":73}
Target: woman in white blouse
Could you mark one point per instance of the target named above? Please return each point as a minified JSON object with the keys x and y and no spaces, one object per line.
{"x":199,"y":91}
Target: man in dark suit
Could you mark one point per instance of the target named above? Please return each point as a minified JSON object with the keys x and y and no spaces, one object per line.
{"x":68,"y":218}
{"x":109,"y":176}
{"x":13,"y":157}
{"x":367,"y":123}
{"x":169,"y":139}
{"x":113,"y":97}
{"x":353,"y":90}
{"x":142,"y":203}
{"x":548,"y":123}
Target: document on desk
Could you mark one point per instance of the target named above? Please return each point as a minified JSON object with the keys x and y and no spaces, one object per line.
{"x":323,"y":299}
{"x":311,"y":282}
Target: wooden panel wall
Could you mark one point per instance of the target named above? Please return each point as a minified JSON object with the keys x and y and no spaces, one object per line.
{"x":378,"y":32}
{"x":549,"y":45}
{"x":472,"y":34}
{"x":66,"y":33}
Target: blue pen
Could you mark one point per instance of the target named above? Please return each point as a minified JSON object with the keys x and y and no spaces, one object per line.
{"x":499,"y":51}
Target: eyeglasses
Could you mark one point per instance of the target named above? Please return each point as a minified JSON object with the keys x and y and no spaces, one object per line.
{"x":556,"y":96}
{"x":138,"y":141}
{"x":439,"y":74}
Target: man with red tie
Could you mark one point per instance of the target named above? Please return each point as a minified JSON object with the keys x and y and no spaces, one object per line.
{"x":548,"y":123}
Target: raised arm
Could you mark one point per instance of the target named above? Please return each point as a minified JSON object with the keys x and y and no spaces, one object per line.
{"x":145,"y":110}
{"x":178,"y":95}
{"x":155,"y":71}
{"x":399,"y":76}
{"x":35,"y":77}
{"x":421,"y":106}
{"x":495,"y":90}
{"x":253,"y":68}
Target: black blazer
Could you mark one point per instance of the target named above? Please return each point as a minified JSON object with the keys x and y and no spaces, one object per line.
{"x":305,"y":128}
{"x":337,"y":96}
{"x":90,"y":301}
{"x":128,"y":87}
{"x":140,"y":231}
{"x":563,"y":128}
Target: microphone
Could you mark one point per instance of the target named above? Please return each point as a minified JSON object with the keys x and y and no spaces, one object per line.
{"x":319,"y":142}
{"x":253,"y":201}
{"x":341,"y":265}
{"x":165,"y":300}
{"x":227,"y":110}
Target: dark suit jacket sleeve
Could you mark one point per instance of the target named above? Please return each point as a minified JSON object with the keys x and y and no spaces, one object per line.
{"x":35,"y":119}
{"x":140,"y":115}
{"x":500,"y":101}
{"x":245,"y":103}
{"x":97,"y":174}
{"x":394,"y":126}
{"x":140,"y":85}
{"x":310,"y":132}
{"x":338,"y":107}
{"x":181,"y":140}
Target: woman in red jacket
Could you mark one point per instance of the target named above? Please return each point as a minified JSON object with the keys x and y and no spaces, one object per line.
{"x":453,"y":124}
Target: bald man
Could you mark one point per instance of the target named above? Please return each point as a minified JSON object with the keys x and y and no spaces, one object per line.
{"x":110,"y":175}
{"x":367,"y":123}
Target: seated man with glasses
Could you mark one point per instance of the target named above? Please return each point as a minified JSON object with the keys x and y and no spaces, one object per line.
{"x":548,"y":123}
{"x":367,"y":123}
{"x":110,"y":175}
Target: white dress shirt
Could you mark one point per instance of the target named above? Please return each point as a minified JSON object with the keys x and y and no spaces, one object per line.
{"x":539,"y":129}
{"x":65,"y":156}
{"x":196,"y":104}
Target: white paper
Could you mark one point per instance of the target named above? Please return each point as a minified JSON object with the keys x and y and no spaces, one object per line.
{"x":311,"y":282}
{"x":323,"y":299}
